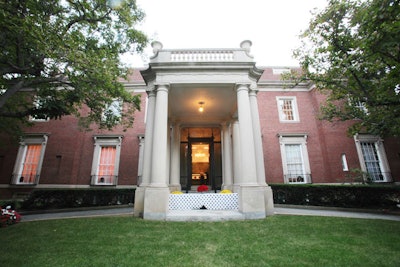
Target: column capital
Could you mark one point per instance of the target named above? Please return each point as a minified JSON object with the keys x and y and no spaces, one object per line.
{"x":175,"y":123}
{"x":162,"y":87}
{"x":242,"y":86}
{"x":253,"y":92}
{"x":225,"y":123}
{"x":151,"y":93}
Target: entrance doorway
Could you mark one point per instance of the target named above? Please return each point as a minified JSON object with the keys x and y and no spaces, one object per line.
{"x":201,"y":159}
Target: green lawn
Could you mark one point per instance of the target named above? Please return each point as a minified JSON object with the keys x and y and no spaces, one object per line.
{"x":275,"y":241}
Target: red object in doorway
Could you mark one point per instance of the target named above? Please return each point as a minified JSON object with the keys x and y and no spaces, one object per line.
{"x":202,"y":188}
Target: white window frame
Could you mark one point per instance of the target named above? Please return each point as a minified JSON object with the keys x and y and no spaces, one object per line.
{"x":105,"y":141}
{"x":295,"y":139}
{"x":381,"y":153}
{"x":296,"y":117}
{"x":345,"y":166}
{"x":31,"y":139}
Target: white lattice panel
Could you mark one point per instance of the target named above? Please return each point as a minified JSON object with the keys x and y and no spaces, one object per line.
{"x":210,"y":201}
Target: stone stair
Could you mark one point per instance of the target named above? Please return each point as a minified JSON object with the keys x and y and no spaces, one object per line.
{"x":204,"y":215}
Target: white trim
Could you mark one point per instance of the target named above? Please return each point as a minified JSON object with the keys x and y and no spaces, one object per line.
{"x":296,"y":117}
{"x":380,"y":150}
{"x":295,"y":139}
{"x":30,"y":139}
{"x":103,"y":141}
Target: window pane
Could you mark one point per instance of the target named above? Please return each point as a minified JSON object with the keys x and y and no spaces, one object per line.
{"x":287,"y":109}
{"x":107,"y":164}
{"x":371,"y":160}
{"x":30,"y":164}
{"x":294,"y":161}
{"x":115,"y":108}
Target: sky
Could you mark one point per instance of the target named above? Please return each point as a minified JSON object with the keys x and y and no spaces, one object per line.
{"x":273,"y":26}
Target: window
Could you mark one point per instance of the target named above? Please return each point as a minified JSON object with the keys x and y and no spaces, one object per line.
{"x":38,"y":103}
{"x":372,"y":156}
{"x":113,"y":111}
{"x":359,"y":104}
{"x":296,"y":166}
{"x":287,"y":108}
{"x":106,"y":160}
{"x":345,"y":167}
{"x":29,"y":160}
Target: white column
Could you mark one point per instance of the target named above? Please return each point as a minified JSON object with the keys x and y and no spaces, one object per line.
{"x":159,"y":168}
{"x":249,"y":174}
{"x":140,"y":163}
{"x":259,"y":153}
{"x":147,"y":152}
{"x":169,"y":144}
{"x":148,"y":139}
{"x":175,"y":158}
{"x":237,"y":170}
{"x":227,"y":179}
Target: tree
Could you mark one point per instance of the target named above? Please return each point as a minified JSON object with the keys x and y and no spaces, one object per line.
{"x":352,"y":51}
{"x":57,"y":57}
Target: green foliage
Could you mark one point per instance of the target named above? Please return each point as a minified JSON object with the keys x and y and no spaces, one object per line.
{"x":345,"y":196}
{"x":357,"y":175}
{"x":276,"y":241}
{"x":73,"y":198}
{"x":65,"y":54}
{"x":352,"y":49}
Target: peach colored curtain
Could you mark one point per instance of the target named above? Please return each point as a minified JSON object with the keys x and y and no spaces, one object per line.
{"x":107,"y":163}
{"x":31,"y":163}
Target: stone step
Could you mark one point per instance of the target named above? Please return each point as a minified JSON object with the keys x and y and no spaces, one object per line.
{"x":204,"y":215}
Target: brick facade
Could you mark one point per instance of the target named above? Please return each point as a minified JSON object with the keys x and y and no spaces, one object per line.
{"x":69,"y":151}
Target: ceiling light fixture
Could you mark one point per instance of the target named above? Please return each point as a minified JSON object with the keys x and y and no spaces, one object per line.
{"x":201,"y":104}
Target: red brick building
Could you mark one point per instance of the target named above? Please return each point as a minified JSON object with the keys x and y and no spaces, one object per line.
{"x":296,"y":146}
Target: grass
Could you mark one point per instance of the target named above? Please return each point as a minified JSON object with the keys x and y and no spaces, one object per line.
{"x":275,"y":241}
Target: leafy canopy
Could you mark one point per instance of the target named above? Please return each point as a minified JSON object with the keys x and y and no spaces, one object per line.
{"x":352,"y":50}
{"x":59,"y":57}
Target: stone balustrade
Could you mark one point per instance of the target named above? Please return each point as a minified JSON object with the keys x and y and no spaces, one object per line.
{"x":202,"y":55}
{"x":241,"y":54}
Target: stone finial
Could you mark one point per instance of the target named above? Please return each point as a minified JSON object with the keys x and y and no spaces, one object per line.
{"x":246,"y":44}
{"x":157,"y":46}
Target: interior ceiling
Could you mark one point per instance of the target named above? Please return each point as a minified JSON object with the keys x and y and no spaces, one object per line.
{"x":219,"y":103}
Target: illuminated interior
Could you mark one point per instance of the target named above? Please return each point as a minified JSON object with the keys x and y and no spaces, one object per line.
{"x":200,"y":153}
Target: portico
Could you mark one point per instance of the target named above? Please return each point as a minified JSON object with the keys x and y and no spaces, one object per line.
{"x":224,"y":83}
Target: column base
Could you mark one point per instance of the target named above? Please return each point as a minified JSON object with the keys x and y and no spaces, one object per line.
{"x":227,"y":187}
{"x":175,"y":187}
{"x":269,"y":201}
{"x":139,"y":201}
{"x":255,"y":201}
{"x":156,"y":203}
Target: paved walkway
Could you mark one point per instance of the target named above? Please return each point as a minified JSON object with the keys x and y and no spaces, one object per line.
{"x":128,"y":211}
{"x":336,"y":213}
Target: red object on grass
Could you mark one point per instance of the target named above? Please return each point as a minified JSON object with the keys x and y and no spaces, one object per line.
{"x":9,"y":216}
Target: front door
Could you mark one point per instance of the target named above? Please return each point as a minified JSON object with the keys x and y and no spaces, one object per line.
{"x":201,"y":167}
{"x":201,"y":163}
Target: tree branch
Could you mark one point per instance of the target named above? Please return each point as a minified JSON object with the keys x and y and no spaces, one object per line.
{"x":10,"y":92}
{"x":83,"y":17}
